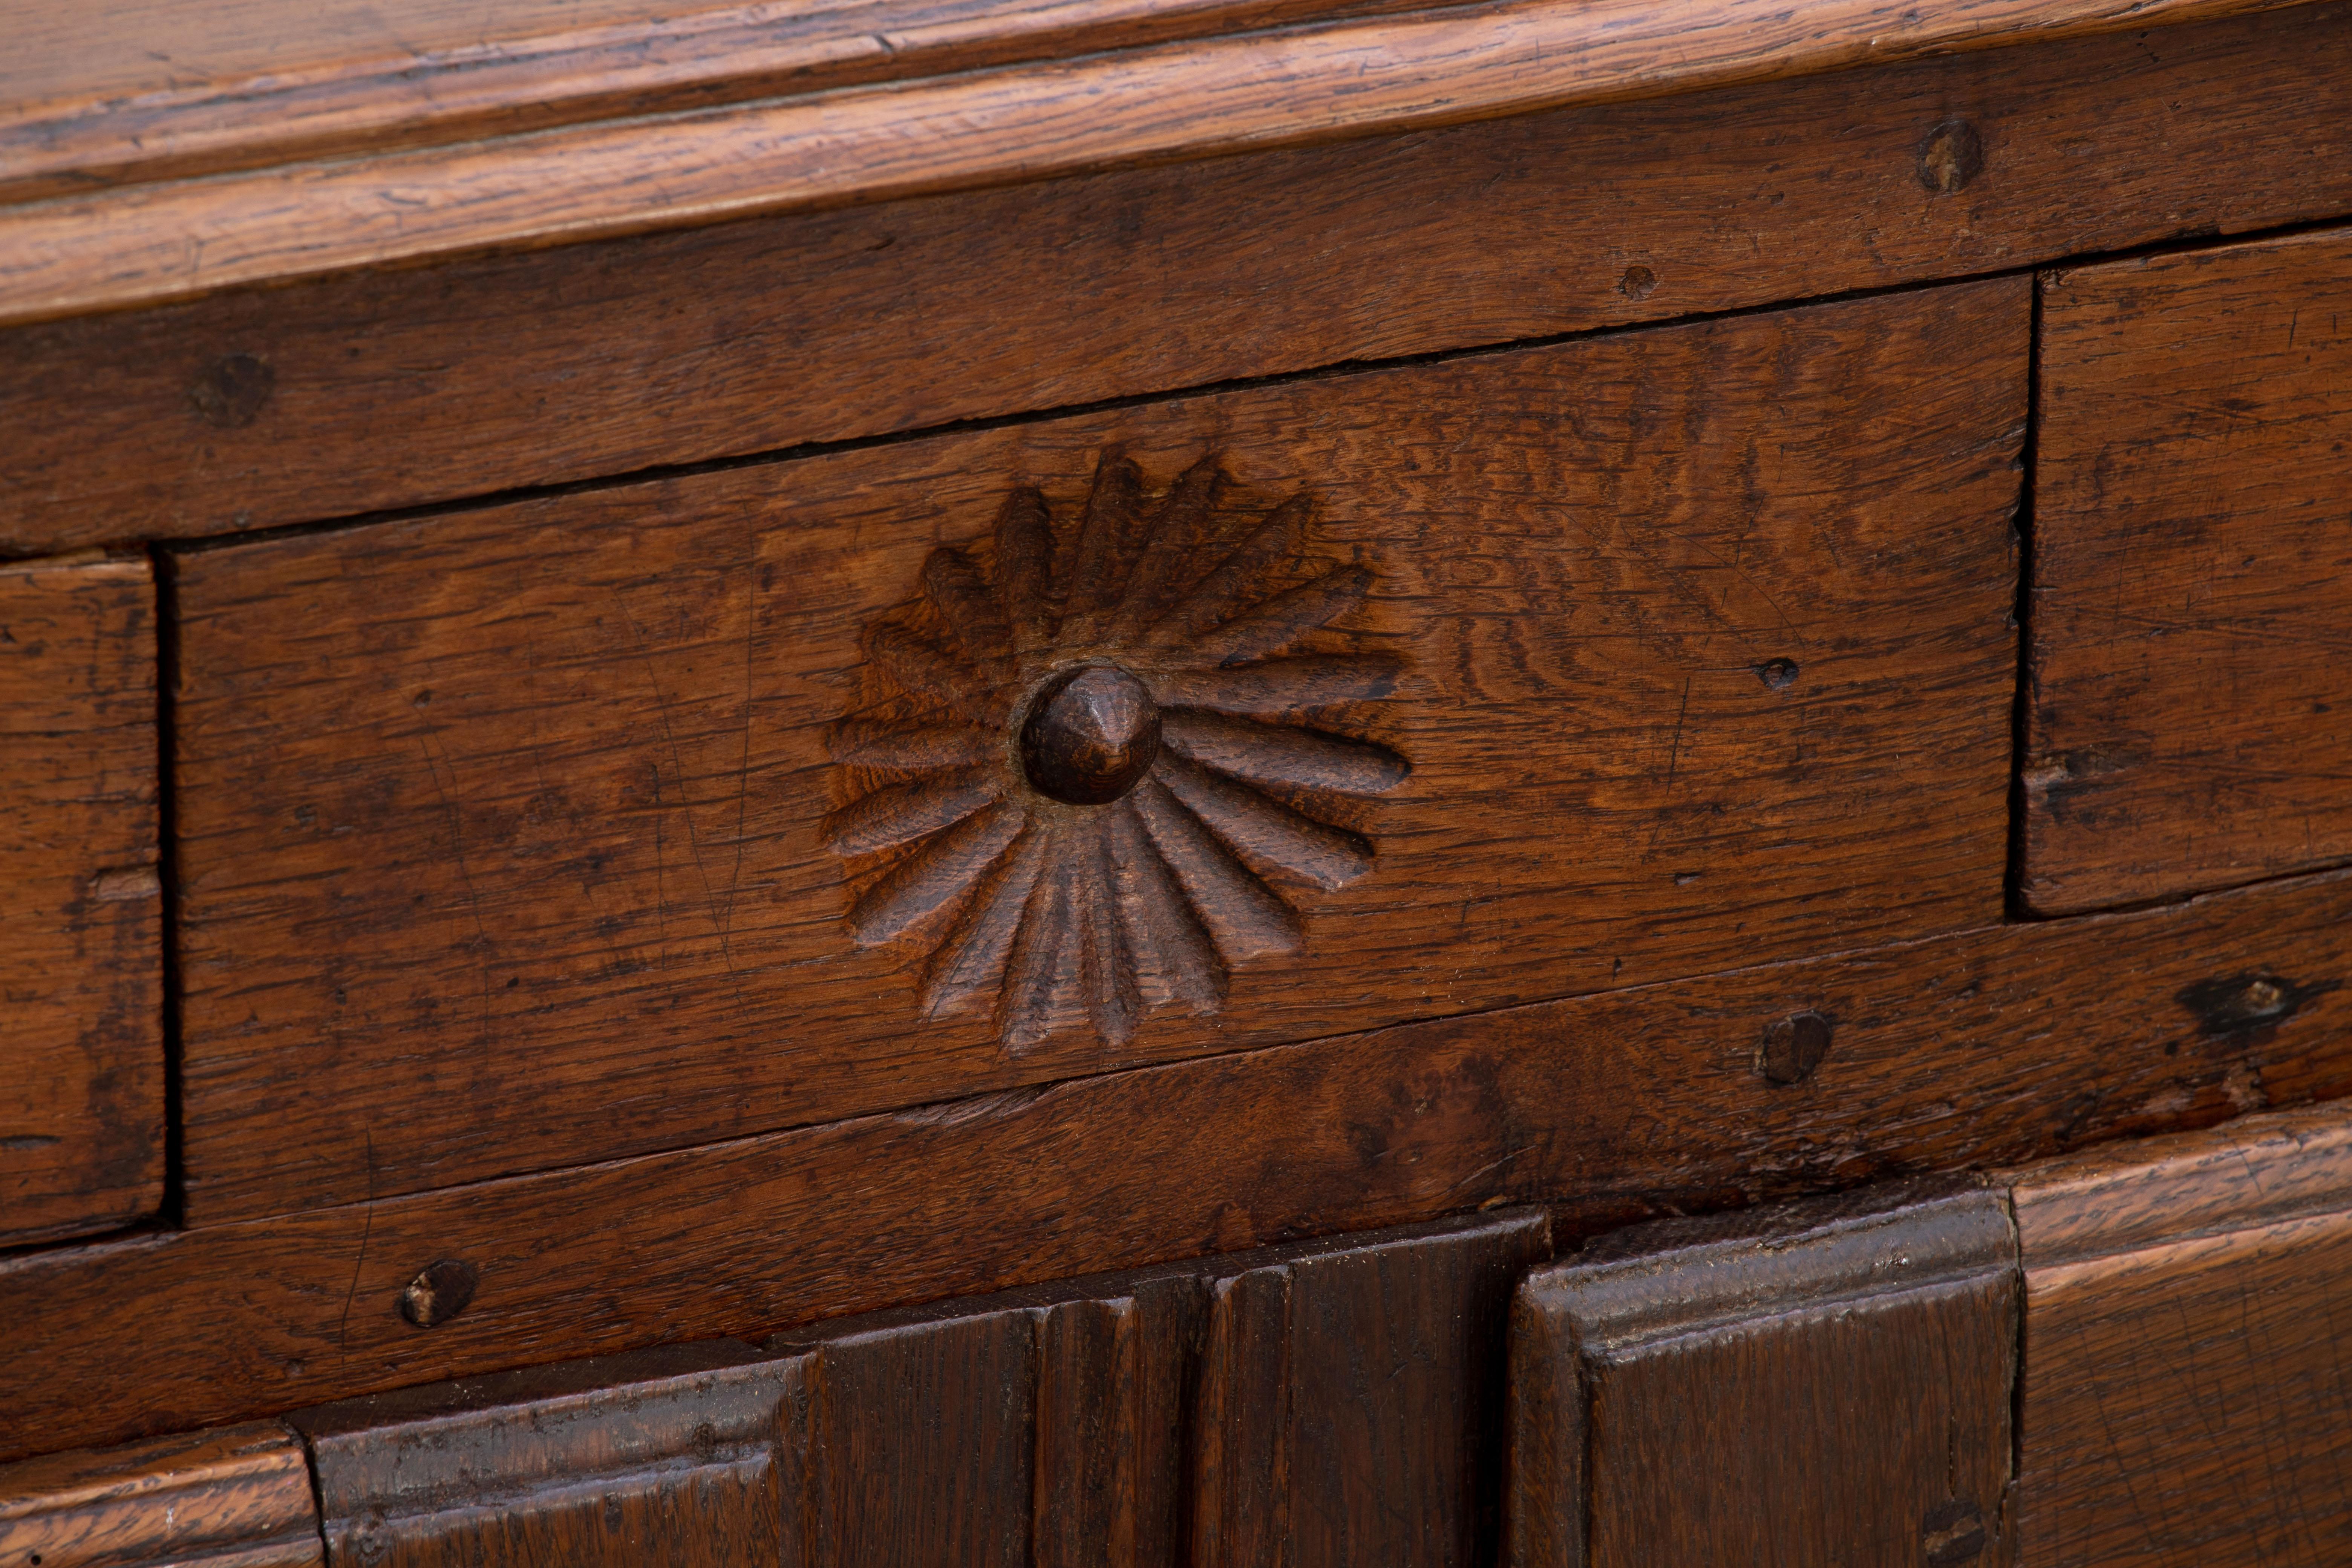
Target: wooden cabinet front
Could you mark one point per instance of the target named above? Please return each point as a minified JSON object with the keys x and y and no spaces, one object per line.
{"x":1592,"y":820}
{"x":618,"y":822}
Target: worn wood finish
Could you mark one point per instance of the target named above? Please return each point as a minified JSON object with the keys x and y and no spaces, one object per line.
{"x":519,"y":830}
{"x":81,"y":1052}
{"x":1351,"y":1403}
{"x":2192,"y":574}
{"x":2187,"y":1392}
{"x":234,"y":1498}
{"x":1826,"y":1383}
{"x":917,"y":1445}
{"x":2000,"y":1045}
{"x":272,"y":407}
{"x":128,"y":93}
{"x":665,"y":1455}
{"x":110,"y":251}
{"x":1086,"y":1421}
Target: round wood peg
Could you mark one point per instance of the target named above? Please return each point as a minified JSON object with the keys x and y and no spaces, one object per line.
{"x":1091,"y":736}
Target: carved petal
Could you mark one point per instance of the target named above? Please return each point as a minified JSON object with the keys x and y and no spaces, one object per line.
{"x":936,"y":873}
{"x":1175,"y":961}
{"x":1227,"y":587}
{"x":969,"y":965}
{"x":1281,"y":754}
{"x":1045,"y":982}
{"x":1161,"y":573}
{"x":901,"y":814}
{"x":1024,"y":566}
{"x":1284,"y":685}
{"x":925,"y":670}
{"x":1244,"y":917}
{"x":1112,"y":996}
{"x":961,"y":595}
{"x":1271,"y":626}
{"x":1106,"y":543}
{"x":1265,"y":830}
{"x":920,"y":749}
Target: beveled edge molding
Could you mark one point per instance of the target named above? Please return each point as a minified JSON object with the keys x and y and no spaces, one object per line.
{"x":2238,"y":1175}
{"x":144,"y":245}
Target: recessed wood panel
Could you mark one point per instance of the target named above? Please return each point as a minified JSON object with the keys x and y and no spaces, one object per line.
{"x":82,"y":1047}
{"x":1827,"y":1383}
{"x":2192,"y":574}
{"x":674,"y":812}
{"x":235,"y":1496}
{"x":2188,"y":1391}
{"x":266,"y":406}
{"x":1996,"y":1046}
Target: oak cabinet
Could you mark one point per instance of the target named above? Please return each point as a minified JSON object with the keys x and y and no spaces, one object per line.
{"x":1187,"y":783}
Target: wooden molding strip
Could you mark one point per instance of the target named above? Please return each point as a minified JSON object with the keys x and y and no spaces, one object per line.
{"x":234,"y":1496}
{"x":144,"y":245}
{"x":127,"y":97}
{"x":2239,"y":1176}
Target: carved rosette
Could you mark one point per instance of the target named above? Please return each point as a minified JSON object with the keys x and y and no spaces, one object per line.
{"x":1086,"y":773}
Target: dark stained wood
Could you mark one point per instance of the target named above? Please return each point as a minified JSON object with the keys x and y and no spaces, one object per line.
{"x":1830,"y":1382}
{"x":235,"y":1496}
{"x":81,"y":1051}
{"x":757,"y":336}
{"x":1115,"y":1381}
{"x":916,"y":1444}
{"x":2192,"y":574}
{"x":2188,"y":1391}
{"x":1055,"y":1426}
{"x":666,"y":1454}
{"x":596,"y":825}
{"x":2000,"y":1045}
{"x":1385,"y":1405}
{"x":113,"y":249}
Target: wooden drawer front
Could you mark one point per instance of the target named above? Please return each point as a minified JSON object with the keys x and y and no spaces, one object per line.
{"x":606,"y":823}
{"x":2192,"y":574}
{"x":81,"y":1053}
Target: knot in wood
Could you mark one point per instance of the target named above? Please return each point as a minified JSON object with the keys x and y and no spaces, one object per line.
{"x":1091,"y":736}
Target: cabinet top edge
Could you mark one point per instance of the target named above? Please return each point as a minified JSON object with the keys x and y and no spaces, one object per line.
{"x":322,"y":145}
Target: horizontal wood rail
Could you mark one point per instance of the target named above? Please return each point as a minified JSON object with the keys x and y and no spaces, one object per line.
{"x":2001,"y":1046}
{"x":140,"y":244}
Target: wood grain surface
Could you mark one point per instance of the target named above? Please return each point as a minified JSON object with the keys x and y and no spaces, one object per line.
{"x":2188,"y":1390}
{"x":1089,"y":1422}
{"x":81,"y":1049}
{"x":1350,"y":1405}
{"x":2000,"y":1045}
{"x":236,"y":1497}
{"x":270,"y":406}
{"x":510,"y":839}
{"x":666,"y":1454}
{"x":110,"y":251}
{"x":1829,"y":1381}
{"x":2192,"y":574}
{"x":130,"y":93}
